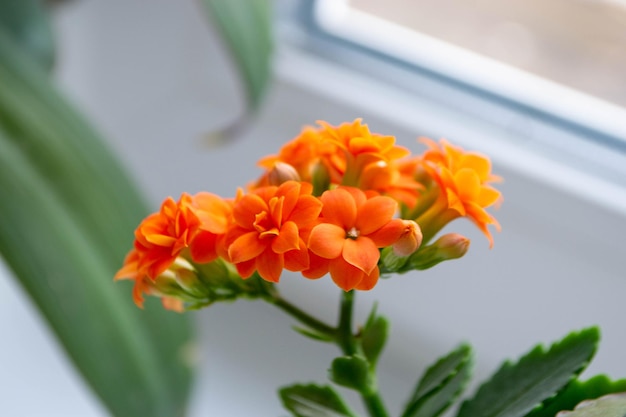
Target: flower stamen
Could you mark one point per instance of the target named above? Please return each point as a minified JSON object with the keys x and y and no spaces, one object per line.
{"x":353,"y":233}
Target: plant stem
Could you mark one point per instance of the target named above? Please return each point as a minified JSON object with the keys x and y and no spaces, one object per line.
{"x":302,"y":316}
{"x":342,"y":335}
{"x":374,"y":404}
{"x":345,"y":338}
{"x":349,"y":346}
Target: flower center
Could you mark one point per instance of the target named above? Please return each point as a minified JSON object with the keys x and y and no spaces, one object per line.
{"x":353,"y":233}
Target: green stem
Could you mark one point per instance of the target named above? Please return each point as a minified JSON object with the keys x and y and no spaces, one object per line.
{"x":349,"y":346}
{"x":345,"y":338}
{"x":374,"y":404}
{"x":342,"y":335}
{"x":302,"y":316}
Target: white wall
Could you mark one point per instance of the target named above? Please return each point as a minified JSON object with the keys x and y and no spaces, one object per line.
{"x":151,"y":76}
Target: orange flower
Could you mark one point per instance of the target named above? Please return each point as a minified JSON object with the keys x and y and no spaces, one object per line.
{"x":353,"y":226}
{"x":145,"y":285}
{"x":373,"y":161}
{"x":195,"y":223}
{"x":306,"y":153}
{"x":463,"y":179}
{"x":215,"y":215}
{"x":348,"y":154}
{"x":269,"y":228}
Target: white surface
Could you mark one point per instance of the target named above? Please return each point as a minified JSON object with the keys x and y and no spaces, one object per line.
{"x":151,"y":77}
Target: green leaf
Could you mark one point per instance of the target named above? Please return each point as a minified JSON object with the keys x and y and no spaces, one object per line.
{"x":246,"y":28}
{"x":27,"y":22}
{"x":373,"y":337}
{"x":66,"y":218}
{"x":312,"y":334}
{"x":516,"y":389}
{"x":609,"y":406}
{"x":314,"y":401}
{"x":351,"y":372}
{"x":441,"y":384}
{"x":578,"y":391}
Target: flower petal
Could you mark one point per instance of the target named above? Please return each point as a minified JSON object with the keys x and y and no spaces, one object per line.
{"x":306,"y":211}
{"x":346,"y":276}
{"x":247,"y":268}
{"x":202,"y":247}
{"x":270,"y":265}
{"x":339,"y":208}
{"x":287,"y":238}
{"x":369,"y":281}
{"x":361,"y":253}
{"x":246,"y":209}
{"x":159,"y":266}
{"x":318,"y":267}
{"x":478,"y":163}
{"x":290,"y":190}
{"x":246,"y":247}
{"x":389,"y":233}
{"x":488,"y":196}
{"x":326,"y":240}
{"x":212,"y":212}
{"x":467,"y":184}
{"x":297,"y":260}
{"x":374,"y":214}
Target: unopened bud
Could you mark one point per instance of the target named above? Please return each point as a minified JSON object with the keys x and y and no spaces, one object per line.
{"x":452,"y":246}
{"x":282,"y":172}
{"x":447,"y":247}
{"x":185,"y":275}
{"x":410,"y":240}
{"x":320,"y":178}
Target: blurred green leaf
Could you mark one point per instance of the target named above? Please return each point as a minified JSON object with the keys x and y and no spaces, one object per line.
{"x":373,"y":337}
{"x":516,"y":389}
{"x":314,"y":401}
{"x":441,"y":384}
{"x":27,"y":22}
{"x":246,"y":29}
{"x":312,"y":334}
{"x":609,"y":406}
{"x":351,"y":372}
{"x":67,"y":214}
{"x":578,"y":391}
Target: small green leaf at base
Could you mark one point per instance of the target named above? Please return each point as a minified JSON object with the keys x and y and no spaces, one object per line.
{"x":441,"y":384}
{"x":373,"y":337}
{"x":314,"y":401}
{"x":578,"y":391}
{"x":351,"y":372}
{"x":613,"y":405}
{"x":516,"y":389}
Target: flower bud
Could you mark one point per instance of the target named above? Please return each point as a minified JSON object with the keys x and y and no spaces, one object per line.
{"x":320,"y":178}
{"x":447,"y":247}
{"x":180,"y":275}
{"x":282,"y":172}
{"x":410,"y":240}
{"x":452,"y":246}
{"x":177,"y":284}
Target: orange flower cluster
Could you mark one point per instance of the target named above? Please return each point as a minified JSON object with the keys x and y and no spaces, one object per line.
{"x":327,"y":203}
{"x":462,"y":182}
{"x":191,"y":226}
{"x":349,"y":155}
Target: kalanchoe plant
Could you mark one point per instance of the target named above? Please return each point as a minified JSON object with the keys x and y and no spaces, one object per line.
{"x":345,"y":202}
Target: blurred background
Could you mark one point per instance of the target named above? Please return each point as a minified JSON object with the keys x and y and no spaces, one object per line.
{"x":579,"y":43}
{"x":155,"y":80}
